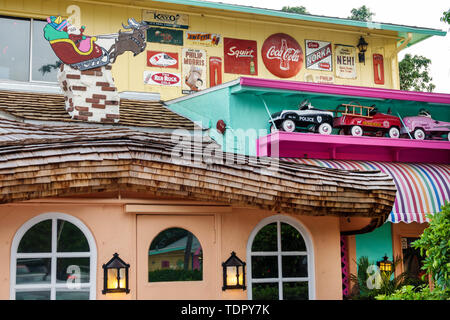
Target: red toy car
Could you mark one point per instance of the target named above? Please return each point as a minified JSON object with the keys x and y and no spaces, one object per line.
{"x":360,"y":120}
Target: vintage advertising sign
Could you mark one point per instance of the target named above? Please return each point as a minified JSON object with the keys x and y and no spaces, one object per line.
{"x":345,"y":62}
{"x":240,"y":56}
{"x":202,"y":38}
{"x":282,"y":55}
{"x":194,"y":70}
{"x":162,"y":78}
{"x":328,"y":79}
{"x":165,"y":36}
{"x":318,"y":55}
{"x":378,"y":68}
{"x":162,"y":59}
{"x":215,"y":71}
{"x":165,"y":19}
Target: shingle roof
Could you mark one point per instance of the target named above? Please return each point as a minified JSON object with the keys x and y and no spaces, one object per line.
{"x":50,"y":107}
{"x":39,"y":161}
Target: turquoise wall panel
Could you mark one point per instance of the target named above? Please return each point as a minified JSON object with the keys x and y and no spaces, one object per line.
{"x":375,"y":244}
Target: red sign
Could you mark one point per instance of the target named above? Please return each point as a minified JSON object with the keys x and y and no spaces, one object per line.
{"x":240,"y":56}
{"x":162,"y":59}
{"x":378,"y":68}
{"x":161,"y":78}
{"x":215,"y":71}
{"x":282,"y":55}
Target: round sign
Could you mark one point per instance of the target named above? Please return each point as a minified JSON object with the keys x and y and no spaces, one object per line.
{"x":282,"y":55}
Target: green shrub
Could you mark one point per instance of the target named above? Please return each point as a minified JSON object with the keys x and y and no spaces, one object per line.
{"x":416,"y":293}
{"x":435,"y":243}
{"x":174,"y":275}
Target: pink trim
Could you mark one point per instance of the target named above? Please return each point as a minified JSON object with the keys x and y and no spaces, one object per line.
{"x":342,"y":90}
{"x":339,"y":147}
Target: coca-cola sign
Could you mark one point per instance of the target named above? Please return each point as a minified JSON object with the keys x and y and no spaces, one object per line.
{"x":240,"y":56}
{"x":282,"y":55}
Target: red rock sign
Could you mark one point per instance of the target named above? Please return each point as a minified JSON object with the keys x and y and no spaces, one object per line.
{"x":282,"y":55}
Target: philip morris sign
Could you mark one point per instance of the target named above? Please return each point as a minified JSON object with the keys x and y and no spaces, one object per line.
{"x":282,"y":55}
{"x":318,"y":55}
{"x":166,"y":19}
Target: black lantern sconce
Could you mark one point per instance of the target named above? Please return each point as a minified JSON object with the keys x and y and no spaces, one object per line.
{"x":233,"y":273}
{"x":362,"y":47}
{"x":385,"y":265}
{"x":115,"y":276}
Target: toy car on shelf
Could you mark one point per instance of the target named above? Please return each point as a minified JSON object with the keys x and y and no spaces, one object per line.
{"x":423,"y":126}
{"x":306,"y":118}
{"x":360,"y":120}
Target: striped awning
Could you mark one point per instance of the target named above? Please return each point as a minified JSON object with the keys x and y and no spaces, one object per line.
{"x":421,"y":188}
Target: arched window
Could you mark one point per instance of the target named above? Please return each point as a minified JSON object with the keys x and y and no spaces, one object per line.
{"x":280,"y":263}
{"x":175,"y":254}
{"x":53,"y":257}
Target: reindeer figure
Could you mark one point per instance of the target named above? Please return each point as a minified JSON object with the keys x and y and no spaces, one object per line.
{"x":133,"y":40}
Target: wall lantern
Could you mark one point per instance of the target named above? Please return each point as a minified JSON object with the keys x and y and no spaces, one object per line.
{"x":115,"y":275}
{"x":362,"y":47}
{"x":385,"y":265}
{"x":233,"y":273}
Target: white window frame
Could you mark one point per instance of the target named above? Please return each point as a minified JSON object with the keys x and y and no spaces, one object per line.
{"x":53,"y":255}
{"x":309,"y":253}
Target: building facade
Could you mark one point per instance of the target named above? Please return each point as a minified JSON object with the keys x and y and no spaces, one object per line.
{"x":74,"y":191}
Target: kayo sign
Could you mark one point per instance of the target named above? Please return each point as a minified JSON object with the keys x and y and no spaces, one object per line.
{"x":282,"y":55}
{"x":318,"y":55}
{"x":162,"y":59}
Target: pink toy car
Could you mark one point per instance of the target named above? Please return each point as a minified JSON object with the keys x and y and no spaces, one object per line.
{"x":423,"y":126}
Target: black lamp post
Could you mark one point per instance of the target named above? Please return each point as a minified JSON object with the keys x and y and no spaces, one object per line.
{"x":362,"y":47}
{"x":115,"y":276}
{"x":233,"y":273}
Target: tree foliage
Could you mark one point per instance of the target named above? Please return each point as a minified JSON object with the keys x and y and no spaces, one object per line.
{"x":361,"y":14}
{"x":414,"y":74}
{"x":299,"y":9}
{"x":446,"y":16}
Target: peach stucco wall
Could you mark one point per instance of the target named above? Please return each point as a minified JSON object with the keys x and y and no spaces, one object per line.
{"x":130,"y":234}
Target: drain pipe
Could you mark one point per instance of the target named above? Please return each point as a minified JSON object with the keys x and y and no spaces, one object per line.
{"x":395,"y":74}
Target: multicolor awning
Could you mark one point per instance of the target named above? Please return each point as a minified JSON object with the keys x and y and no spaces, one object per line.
{"x":421,"y":188}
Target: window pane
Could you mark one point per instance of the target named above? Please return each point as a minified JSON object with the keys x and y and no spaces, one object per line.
{"x":70,"y":238}
{"x":264,"y":267}
{"x":291,"y":239}
{"x":72,"y":270}
{"x":175,"y":255}
{"x":295,"y":290}
{"x":32,"y":295}
{"x":33,"y":271}
{"x":14,"y":49}
{"x":82,"y":294}
{"x":266,"y":239}
{"x":265,"y":291}
{"x":294,"y":266}
{"x":37,"y":239}
{"x":44,"y":61}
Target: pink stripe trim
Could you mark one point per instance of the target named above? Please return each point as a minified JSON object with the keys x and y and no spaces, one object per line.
{"x":342,"y":90}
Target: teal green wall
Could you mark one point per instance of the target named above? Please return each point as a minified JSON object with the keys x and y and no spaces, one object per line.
{"x":245,"y":114}
{"x":375,"y":244}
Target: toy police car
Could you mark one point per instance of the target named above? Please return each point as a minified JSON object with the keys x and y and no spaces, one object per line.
{"x":306,"y":118}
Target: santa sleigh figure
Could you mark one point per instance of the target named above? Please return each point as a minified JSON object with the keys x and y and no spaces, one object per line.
{"x":85,"y":52}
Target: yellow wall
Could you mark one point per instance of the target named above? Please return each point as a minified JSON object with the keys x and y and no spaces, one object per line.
{"x":128,"y":70}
